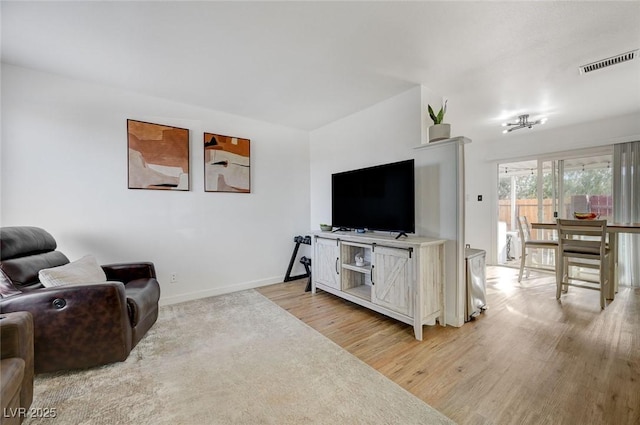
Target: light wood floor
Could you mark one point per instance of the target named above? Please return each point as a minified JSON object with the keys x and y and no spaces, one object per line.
{"x":527,"y":360}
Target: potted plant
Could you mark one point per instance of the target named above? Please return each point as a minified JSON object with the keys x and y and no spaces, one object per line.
{"x":438,"y":131}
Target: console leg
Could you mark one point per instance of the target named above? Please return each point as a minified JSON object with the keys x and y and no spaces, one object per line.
{"x":417,"y":330}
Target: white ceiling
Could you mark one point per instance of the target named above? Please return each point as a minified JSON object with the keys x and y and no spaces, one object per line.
{"x":305,"y":64}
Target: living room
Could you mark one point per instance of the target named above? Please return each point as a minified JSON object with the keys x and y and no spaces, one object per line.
{"x":69,"y":88}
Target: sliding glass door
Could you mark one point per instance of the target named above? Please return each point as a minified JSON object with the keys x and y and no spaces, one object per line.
{"x":525,"y":189}
{"x":546,"y":188}
{"x":587,"y":186}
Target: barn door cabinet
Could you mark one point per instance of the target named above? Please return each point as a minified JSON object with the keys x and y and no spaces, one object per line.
{"x":402,"y":279}
{"x":326,"y":263}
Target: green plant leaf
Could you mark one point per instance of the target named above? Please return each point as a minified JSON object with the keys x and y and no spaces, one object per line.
{"x":432,"y":114}
{"x":437,"y":119}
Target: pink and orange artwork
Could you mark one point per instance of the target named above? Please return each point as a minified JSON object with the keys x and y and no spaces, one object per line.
{"x":227,"y":165}
{"x":158,"y":156}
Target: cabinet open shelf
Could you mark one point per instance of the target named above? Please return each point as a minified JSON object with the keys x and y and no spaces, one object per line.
{"x":362,"y":269}
{"x":360,"y":291}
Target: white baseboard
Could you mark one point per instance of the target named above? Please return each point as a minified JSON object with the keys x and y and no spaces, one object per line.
{"x":218,"y":291}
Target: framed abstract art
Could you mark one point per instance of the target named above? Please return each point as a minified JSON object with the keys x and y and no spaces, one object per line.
{"x":158,"y":156}
{"x":227,"y":165}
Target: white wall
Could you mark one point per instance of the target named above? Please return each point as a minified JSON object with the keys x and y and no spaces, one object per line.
{"x":64,"y":168}
{"x":385,"y":132}
{"x":482,"y":157}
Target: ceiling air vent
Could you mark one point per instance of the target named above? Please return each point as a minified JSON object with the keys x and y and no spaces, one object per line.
{"x":614,"y":60}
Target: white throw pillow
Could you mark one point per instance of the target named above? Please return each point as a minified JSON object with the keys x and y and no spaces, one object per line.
{"x":84,"y":270}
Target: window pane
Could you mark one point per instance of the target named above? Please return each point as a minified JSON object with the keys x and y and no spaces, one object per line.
{"x":587,"y":187}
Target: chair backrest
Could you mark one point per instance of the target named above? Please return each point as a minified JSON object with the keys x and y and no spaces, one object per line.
{"x":24,"y":251}
{"x":583,"y":238}
{"x":524,"y":229}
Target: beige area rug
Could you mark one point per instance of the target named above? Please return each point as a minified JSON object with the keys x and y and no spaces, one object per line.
{"x":231,"y":359}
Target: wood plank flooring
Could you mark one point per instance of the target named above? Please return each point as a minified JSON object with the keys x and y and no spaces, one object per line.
{"x":528,"y":359}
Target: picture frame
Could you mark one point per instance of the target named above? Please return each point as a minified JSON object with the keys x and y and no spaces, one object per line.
{"x":158,"y":156}
{"x":227,"y":164}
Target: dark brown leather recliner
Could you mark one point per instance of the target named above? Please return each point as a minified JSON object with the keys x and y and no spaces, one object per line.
{"x":75,"y":326}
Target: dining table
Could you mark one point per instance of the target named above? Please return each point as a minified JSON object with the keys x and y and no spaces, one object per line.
{"x":613,"y":230}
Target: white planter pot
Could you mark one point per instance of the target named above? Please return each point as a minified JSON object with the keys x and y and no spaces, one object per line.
{"x":439,"y":132}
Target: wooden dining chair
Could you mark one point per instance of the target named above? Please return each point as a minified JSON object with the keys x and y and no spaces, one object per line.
{"x":582,"y":243}
{"x":528,"y":243}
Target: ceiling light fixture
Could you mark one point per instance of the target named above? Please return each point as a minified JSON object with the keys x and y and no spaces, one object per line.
{"x":523,"y":122}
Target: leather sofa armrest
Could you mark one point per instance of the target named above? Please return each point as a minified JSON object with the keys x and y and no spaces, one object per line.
{"x":96,"y":314}
{"x":126,"y":272}
{"x":142,"y":296}
{"x":16,"y":340}
{"x":16,"y":335}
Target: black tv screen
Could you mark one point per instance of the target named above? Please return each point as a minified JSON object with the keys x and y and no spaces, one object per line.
{"x":375,"y":198}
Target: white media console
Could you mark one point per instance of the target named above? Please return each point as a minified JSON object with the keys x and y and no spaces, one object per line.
{"x":400,"y":278}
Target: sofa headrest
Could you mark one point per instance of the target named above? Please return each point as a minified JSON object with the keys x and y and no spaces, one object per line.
{"x":21,"y":241}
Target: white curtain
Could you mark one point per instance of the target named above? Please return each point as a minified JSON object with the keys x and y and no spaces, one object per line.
{"x":626,"y":209}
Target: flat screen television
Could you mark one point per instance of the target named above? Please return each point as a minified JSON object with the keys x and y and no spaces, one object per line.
{"x":375,"y":198}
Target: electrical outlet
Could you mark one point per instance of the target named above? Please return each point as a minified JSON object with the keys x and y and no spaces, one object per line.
{"x":173,"y":278}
